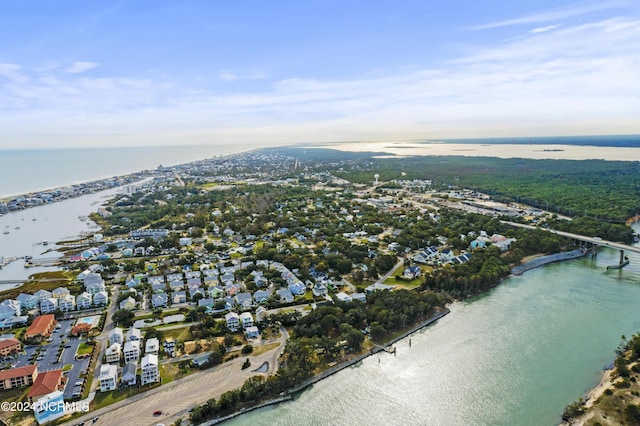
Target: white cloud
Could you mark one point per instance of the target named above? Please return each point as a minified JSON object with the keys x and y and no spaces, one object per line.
{"x":230,"y":76}
{"x":544,"y":29}
{"x":555,"y":14}
{"x":80,"y":67}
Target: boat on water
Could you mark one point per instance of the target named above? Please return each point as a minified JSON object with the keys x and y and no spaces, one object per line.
{"x":45,"y":242}
{"x":17,"y":227}
{"x":5,"y":232}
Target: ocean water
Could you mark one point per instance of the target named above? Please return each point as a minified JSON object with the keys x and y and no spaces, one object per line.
{"x":23,"y":171}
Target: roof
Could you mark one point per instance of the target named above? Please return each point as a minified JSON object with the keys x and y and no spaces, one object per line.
{"x":129,"y":368}
{"x":40,"y":324}
{"x":45,"y":383}
{"x":9,"y":343}
{"x":27,"y":370}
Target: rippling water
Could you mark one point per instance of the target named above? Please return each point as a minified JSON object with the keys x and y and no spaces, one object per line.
{"x":515,"y":356}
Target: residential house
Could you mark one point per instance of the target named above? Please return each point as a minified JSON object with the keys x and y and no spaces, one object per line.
{"x":152,"y":346}
{"x":176,"y":285}
{"x":48,"y":306}
{"x":133,"y":335}
{"x":159,"y":287}
{"x":128,"y":304}
{"x":378,"y":287}
{"x":174,"y":277}
{"x":60,"y":293}
{"x":100,"y":298}
{"x":67,"y":303}
{"x":206,"y":302}
{"x":261,"y":296}
{"x":179,"y":297}
{"x":93,"y":283}
{"x":84,"y":300}
{"x":113,"y":353}
{"x":9,"y":310}
{"x":132,"y":283}
{"x":193,"y":284}
{"x":261,"y":313}
{"x":116,"y":336}
{"x":320,"y":289}
{"x":9,"y":346}
{"x":28,"y":301}
{"x":149,"y":369}
{"x":231,"y":288}
{"x":358,"y":297}
{"x":285,"y":294}
{"x":41,"y":326}
{"x":215,"y":292}
{"x":343,"y":297}
{"x":297,"y":288}
{"x":129,"y":374}
{"x":412,"y":272}
{"x":108,"y":377}
{"x":45,"y":383}
{"x":18,"y":377}
{"x":244,"y":300}
{"x":192,"y":274}
{"x":252,"y":332}
{"x":131,"y":351}
{"x":233,"y":321}
{"x":49,"y":407}
{"x":159,"y":300}
{"x":43,"y":295}
{"x":246,"y":319}
{"x":194,"y":292}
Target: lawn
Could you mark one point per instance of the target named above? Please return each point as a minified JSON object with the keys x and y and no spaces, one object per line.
{"x":103,"y":399}
{"x":182,"y":334}
{"x":258,"y":350}
{"x":172,"y":371}
{"x":84,"y":348}
{"x":58,"y":278}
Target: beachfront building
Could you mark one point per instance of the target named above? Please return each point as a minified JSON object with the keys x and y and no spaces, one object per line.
{"x":149,"y":369}
{"x":49,"y":407}
{"x":116,"y":336}
{"x":113,"y":353}
{"x":48,"y":306}
{"x":152,"y":346}
{"x":9,"y":346}
{"x":134,"y":335}
{"x":67,"y":303}
{"x":233,"y":321}
{"x":60,"y":293}
{"x":252,"y":332}
{"x":45,"y":383}
{"x":108,"y":377}
{"x":131,"y":351}
{"x":129,"y":374}
{"x":43,"y":295}
{"x":246,"y":319}
{"x":128,"y":304}
{"x":18,"y":377}
{"x":28,"y":301}
{"x":42,"y":326}
{"x":84,"y":300}
{"x":100,"y":298}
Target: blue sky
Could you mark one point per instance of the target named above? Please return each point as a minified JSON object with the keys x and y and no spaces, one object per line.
{"x":98,"y":73}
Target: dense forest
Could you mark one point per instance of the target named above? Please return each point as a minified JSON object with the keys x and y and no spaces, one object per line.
{"x":608,"y":190}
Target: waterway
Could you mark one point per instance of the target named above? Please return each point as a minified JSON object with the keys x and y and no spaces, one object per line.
{"x":516,"y":355}
{"x":28,"y":229}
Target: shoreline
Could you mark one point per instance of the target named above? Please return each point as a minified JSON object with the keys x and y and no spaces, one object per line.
{"x":289,"y":396}
{"x":545,"y":260}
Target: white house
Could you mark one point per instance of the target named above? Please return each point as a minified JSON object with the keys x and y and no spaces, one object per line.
{"x":113,"y":353}
{"x":48,"y":306}
{"x":43,"y":295}
{"x":131,"y":351}
{"x":67,"y":303}
{"x":152,"y":346}
{"x":233,"y":321}
{"x":133,"y":335}
{"x":129,"y":374}
{"x":343,"y":297}
{"x":149,"y":367}
{"x":246,"y":319}
{"x":252,"y":332}
{"x":320,"y":289}
{"x":108,"y":377}
{"x":244,"y":300}
{"x":159,"y":300}
{"x":115,"y":336}
{"x":261,"y":313}
{"x":60,"y":293}
{"x":84,"y":300}
{"x":100,"y":298}
{"x":128,"y":304}
{"x":285,"y":295}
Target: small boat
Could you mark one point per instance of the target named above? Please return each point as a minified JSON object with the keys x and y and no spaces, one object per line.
{"x":45,"y":242}
{"x":5,"y":232}
{"x":17,"y":227}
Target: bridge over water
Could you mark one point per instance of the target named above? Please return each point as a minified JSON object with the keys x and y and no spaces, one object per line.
{"x":595,"y":241}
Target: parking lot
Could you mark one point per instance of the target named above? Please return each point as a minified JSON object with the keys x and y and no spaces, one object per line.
{"x":48,"y":357}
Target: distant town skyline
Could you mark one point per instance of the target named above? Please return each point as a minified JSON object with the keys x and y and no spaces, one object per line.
{"x":144,"y":73}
